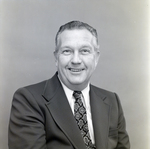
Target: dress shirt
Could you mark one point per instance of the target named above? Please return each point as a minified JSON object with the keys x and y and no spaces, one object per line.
{"x":86,"y":103}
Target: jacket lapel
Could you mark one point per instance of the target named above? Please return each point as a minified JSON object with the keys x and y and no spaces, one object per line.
{"x":60,"y":110}
{"x":100,"y":115}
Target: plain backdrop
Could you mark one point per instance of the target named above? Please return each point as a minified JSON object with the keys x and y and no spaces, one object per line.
{"x":27,"y":33}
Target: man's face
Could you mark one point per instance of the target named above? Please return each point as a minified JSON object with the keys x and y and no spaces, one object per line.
{"x":76,"y":58}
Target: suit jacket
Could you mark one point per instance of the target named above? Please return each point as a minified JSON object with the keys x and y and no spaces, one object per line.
{"x":41,"y":118}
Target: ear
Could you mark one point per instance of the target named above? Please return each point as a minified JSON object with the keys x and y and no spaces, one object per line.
{"x":97,"y":56}
{"x":56,"y":58}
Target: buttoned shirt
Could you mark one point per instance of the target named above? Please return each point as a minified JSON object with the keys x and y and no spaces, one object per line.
{"x":86,"y":103}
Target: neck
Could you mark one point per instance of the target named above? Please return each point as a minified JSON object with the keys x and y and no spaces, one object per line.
{"x":74,"y":87}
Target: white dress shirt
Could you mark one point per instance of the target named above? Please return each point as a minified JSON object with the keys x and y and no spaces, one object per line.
{"x":86,"y":103}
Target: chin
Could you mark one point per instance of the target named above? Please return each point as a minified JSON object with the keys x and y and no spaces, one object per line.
{"x":77,"y":82}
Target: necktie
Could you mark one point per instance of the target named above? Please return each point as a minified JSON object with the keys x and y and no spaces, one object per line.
{"x":81,"y":119}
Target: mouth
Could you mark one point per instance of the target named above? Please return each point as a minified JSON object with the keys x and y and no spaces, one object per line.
{"x":75,"y":70}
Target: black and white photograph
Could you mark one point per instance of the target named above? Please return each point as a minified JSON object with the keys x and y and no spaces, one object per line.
{"x":74,"y":74}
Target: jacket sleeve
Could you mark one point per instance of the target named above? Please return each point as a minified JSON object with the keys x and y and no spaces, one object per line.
{"x":123,"y":138}
{"x":26,"y":126}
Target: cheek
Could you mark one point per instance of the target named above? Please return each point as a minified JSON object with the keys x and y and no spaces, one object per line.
{"x":90,"y":61}
{"x":62,"y":61}
{"x":94,"y":61}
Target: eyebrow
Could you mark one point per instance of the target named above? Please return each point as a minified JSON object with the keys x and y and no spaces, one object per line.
{"x":82,"y":46}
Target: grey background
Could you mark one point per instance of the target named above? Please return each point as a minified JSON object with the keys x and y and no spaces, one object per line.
{"x":27,"y":31}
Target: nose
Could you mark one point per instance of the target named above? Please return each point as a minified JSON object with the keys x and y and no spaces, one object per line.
{"x":76,"y":58}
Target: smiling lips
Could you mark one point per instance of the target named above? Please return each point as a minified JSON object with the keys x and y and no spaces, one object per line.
{"x":75,"y":70}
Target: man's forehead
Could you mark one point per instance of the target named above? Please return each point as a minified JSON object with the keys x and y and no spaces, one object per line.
{"x":76,"y":31}
{"x":76,"y":35}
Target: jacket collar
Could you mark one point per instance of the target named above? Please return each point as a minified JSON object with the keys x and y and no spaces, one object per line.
{"x":51,"y":87}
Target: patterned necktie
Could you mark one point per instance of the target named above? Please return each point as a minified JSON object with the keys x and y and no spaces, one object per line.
{"x":81,"y":119}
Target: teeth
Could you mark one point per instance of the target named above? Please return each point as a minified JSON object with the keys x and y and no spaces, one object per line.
{"x":76,"y":70}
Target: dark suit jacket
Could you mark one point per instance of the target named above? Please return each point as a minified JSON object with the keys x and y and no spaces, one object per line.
{"x":41,"y":118}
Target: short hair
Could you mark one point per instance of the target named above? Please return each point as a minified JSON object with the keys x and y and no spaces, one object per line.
{"x":76,"y":25}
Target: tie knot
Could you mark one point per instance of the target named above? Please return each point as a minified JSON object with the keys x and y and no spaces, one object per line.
{"x":77,"y":94}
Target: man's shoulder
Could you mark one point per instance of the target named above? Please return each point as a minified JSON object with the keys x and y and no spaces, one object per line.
{"x":33,"y":88}
{"x":101,"y":90}
{"x":37,"y":85}
{"x":109,"y":96}
{"x":40,"y":86}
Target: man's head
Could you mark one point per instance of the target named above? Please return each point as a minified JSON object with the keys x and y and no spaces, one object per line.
{"x":76,"y":54}
{"x":76,"y":25}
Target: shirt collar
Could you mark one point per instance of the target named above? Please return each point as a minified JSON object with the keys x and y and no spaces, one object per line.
{"x":69,"y":92}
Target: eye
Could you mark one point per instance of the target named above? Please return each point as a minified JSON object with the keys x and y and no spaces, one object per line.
{"x":85,"y":51}
{"x":66,"y":52}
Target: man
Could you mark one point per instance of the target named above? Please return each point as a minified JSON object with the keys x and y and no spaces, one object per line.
{"x":66,"y":111}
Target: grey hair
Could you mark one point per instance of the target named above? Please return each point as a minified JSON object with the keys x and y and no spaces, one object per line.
{"x":75,"y":25}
